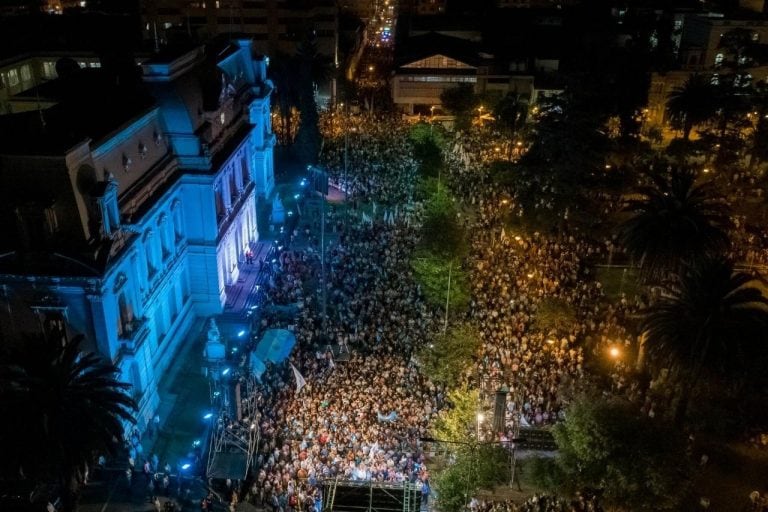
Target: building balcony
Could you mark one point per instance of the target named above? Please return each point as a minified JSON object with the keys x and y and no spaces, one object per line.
{"x":133,"y":335}
{"x":231,"y":212}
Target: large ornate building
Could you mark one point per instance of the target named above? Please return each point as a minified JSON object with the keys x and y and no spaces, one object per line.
{"x":127,"y":206}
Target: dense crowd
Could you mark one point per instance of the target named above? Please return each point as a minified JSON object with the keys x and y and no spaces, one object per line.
{"x":360,"y":419}
{"x":537,"y":503}
{"x":379,"y":162}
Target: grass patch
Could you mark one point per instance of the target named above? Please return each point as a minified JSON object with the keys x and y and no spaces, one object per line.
{"x":617,"y":280}
{"x":733,"y":471}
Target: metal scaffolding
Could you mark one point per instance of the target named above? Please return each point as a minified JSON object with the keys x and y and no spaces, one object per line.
{"x":370,"y":496}
{"x":234,"y":436}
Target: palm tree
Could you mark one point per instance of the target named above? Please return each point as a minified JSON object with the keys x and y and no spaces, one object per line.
{"x":510,"y":113}
{"x":674,"y":221}
{"x":60,"y":408}
{"x":692,"y":104}
{"x":709,"y":321}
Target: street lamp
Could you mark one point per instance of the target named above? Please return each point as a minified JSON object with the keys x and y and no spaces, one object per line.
{"x":480,"y":419}
{"x":615,"y":352}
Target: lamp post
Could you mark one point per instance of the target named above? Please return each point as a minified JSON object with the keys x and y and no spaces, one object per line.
{"x":480,"y":419}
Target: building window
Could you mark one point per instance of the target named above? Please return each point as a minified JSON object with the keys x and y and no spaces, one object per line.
{"x":13,"y":78}
{"x":719,"y":59}
{"x":244,"y":170}
{"x":219,"y":197}
{"x":26,"y":73}
{"x":151,"y":269}
{"x":177,"y":221}
{"x":233,"y":190}
{"x":125,"y":324}
{"x":49,"y":70}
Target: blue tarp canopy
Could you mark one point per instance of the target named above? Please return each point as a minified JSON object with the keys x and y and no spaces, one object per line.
{"x":275,"y":346}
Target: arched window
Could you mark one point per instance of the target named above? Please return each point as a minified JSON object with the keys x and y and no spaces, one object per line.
{"x":178,"y":221}
{"x":125,"y":316}
{"x":149,"y":254}
{"x":246,"y":175}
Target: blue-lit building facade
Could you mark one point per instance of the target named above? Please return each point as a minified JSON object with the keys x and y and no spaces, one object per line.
{"x":126,"y":220}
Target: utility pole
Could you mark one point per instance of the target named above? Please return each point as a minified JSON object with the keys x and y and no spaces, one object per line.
{"x":448,"y":297}
{"x":322,"y":266}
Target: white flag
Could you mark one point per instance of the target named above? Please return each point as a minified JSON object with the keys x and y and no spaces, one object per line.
{"x":300,"y":381}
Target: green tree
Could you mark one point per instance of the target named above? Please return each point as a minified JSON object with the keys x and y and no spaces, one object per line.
{"x":284,"y":73}
{"x":473,"y":467}
{"x":458,"y":422}
{"x":460,"y":101}
{"x":61,"y":408}
{"x":428,"y":145}
{"x":442,"y":232}
{"x":606,"y":446}
{"x":433,"y":274}
{"x":692,"y":104}
{"x":674,"y":221}
{"x":711,"y":321}
{"x":449,"y":354}
{"x":312,"y":69}
{"x":510,"y":113}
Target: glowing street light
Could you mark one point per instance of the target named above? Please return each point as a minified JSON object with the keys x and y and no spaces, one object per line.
{"x":614,"y":352}
{"x":480,"y":419}
{"x":208,"y":416}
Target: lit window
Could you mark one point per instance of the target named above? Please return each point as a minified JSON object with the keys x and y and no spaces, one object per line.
{"x":719,"y":59}
{"x":26,"y":74}
{"x":755,"y":37}
{"x":49,"y":69}
{"x":13,"y":78}
{"x":223,"y":118}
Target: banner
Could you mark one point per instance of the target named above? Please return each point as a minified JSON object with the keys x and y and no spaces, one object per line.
{"x":300,"y":381}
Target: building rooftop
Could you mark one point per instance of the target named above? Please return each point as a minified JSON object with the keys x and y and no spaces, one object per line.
{"x":426,"y":45}
{"x":90,"y":104}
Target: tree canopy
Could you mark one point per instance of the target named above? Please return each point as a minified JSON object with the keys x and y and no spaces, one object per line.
{"x":61,"y":408}
{"x":606,"y":446}
{"x":674,"y":220}
{"x":449,"y":354}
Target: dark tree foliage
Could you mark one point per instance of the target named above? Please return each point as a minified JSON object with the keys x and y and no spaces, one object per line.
{"x":606,"y":447}
{"x":61,"y":408}
{"x":711,"y":321}
{"x":692,"y":104}
{"x":674,"y":221}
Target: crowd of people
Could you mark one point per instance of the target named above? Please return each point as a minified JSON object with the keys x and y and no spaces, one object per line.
{"x":537,"y":503}
{"x":360,"y":419}
{"x":373,"y":162}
